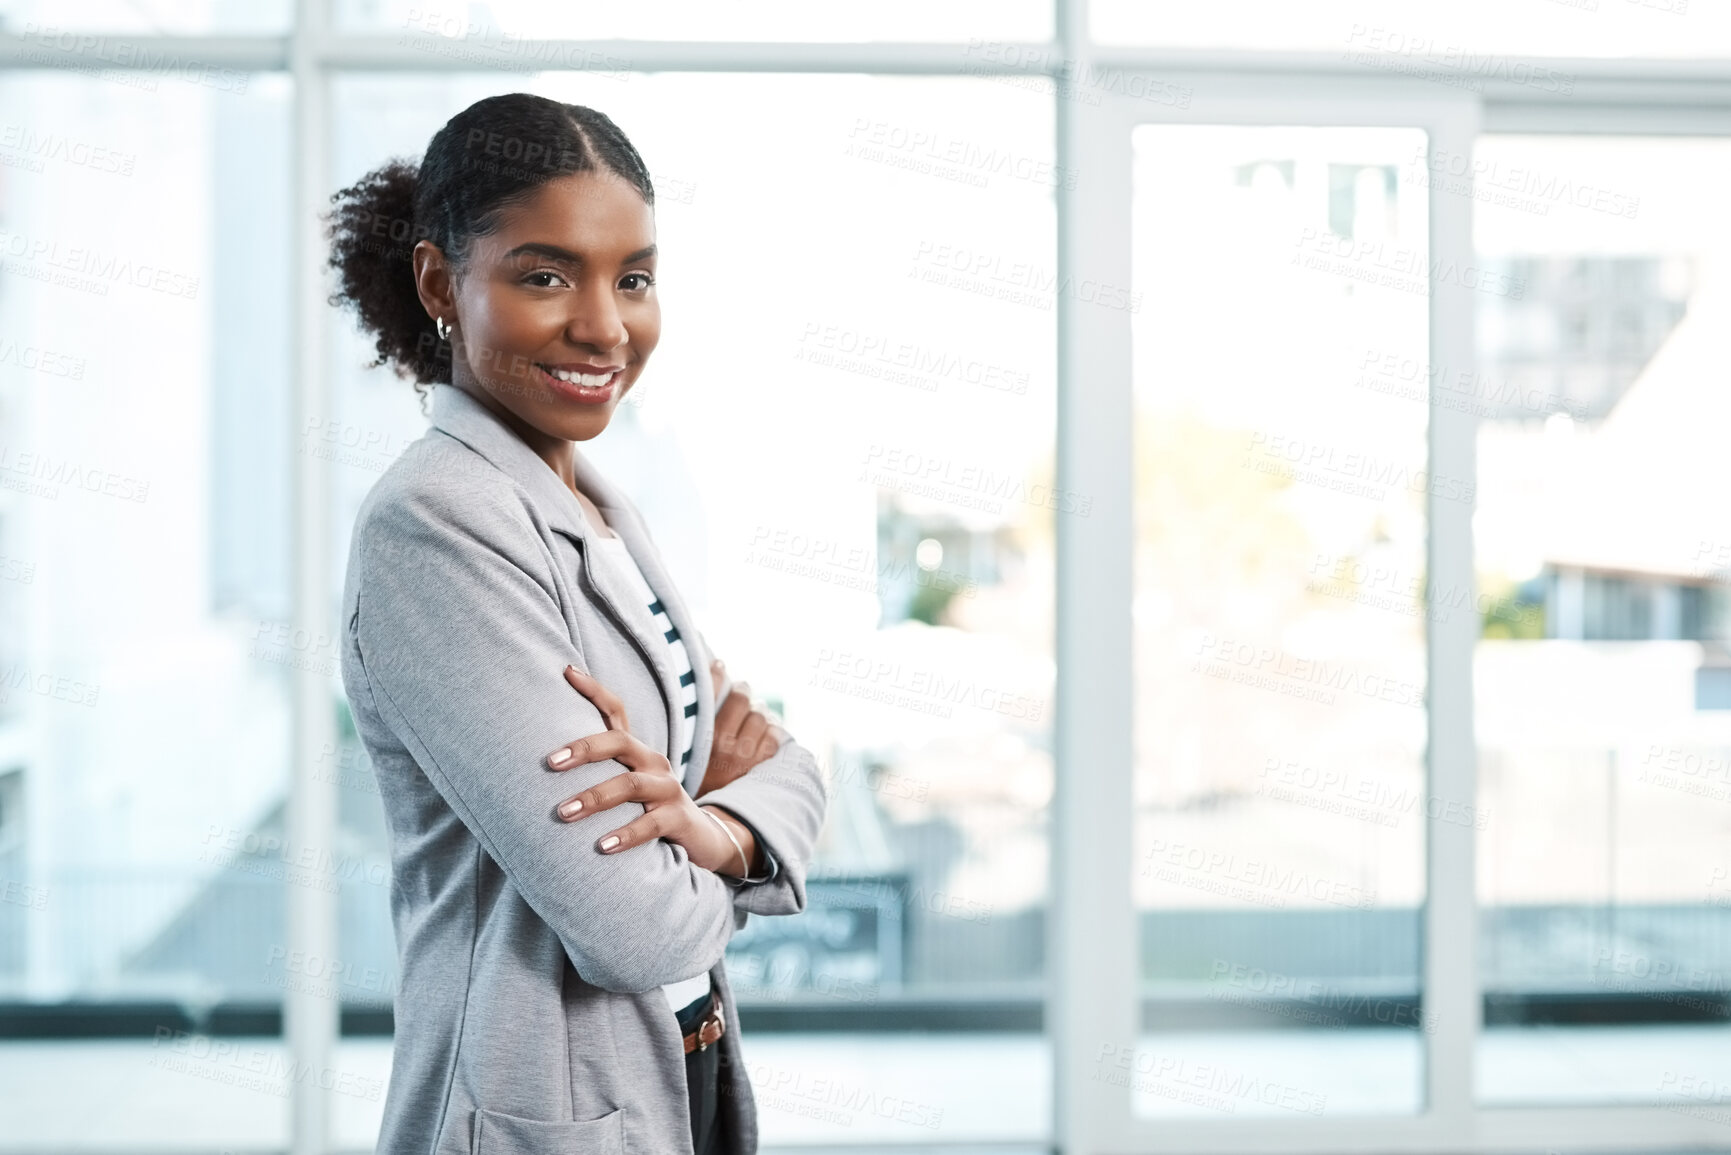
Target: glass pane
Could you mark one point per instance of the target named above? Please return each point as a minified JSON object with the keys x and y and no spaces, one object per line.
{"x":44,"y":25}
{"x":1281,"y":412}
{"x":853,"y":507}
{"x":144,"y":575}
{"x":1462,"y":44}
{"x":1601,"y":542}
{"x":492,"y":35}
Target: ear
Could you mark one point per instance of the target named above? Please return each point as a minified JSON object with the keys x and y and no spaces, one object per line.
{"x":435,"y":282}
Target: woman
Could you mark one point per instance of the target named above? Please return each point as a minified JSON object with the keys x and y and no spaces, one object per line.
{"x":524,"y":674}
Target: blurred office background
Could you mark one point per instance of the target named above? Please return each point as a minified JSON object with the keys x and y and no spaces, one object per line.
{"x":1392,"y":272}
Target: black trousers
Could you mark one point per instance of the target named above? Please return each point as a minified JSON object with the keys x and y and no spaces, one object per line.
{"x":703,"y":1083}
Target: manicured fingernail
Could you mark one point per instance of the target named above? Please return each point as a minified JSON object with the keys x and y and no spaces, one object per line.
{"x":559,"y":757}
{"x":569,"y":808}
{"x":610,"y":842}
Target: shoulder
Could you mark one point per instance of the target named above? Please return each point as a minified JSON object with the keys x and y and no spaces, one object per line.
{"x":440,"y":491}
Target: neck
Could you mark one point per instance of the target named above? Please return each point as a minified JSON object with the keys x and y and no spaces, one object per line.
{"x":558,"y":453}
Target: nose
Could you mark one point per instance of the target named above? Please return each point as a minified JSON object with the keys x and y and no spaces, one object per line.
{"x":595,"y":320}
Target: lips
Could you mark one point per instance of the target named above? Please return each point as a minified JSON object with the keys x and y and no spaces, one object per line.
{"x":583,"y":374}
{"x":584,"y":388}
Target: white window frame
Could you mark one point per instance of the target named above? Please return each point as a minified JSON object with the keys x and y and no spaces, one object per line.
{"x":1096,"y":946}
{"x":1092,"y":941}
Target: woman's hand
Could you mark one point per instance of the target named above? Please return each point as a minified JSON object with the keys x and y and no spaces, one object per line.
{"x":744,"y":736}
{"x":669,"y":812}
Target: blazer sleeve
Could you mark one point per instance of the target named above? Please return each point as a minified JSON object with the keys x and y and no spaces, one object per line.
{"x":462,"y":649}
{"x":783,"y":800}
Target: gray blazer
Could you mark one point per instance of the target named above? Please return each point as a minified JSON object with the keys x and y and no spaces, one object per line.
{"x":529,"y":1017}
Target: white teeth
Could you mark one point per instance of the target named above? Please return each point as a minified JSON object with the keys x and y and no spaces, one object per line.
{"x":588,"y":380}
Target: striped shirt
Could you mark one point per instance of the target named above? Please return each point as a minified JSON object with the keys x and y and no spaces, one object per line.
{"x":622,"y":561}
{"x":681,"y":993}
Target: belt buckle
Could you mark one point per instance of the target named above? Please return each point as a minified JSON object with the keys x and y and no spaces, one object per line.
{"x":714,"y":1016}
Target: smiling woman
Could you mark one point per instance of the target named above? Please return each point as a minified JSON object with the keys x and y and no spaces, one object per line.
{"x":509,"y":618}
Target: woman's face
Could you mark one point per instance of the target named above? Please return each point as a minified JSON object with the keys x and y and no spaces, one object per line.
{"x":556,"y":310}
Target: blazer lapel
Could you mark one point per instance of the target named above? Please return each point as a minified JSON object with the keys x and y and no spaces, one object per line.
{"x":458,"y":414}
{"x":623,"y":518}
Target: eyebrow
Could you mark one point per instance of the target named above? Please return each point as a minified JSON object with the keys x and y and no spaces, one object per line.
{"x":555,"y":253}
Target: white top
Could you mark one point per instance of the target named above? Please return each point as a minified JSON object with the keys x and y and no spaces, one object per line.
{"x":681,"y":993}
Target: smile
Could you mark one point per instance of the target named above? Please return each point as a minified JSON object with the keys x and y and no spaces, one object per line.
{"x":590,"y":387}
{"x":573,"y":377}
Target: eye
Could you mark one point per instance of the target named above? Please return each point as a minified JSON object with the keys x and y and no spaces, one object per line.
{"x":552,"y":279}
{"x":644,"y":277}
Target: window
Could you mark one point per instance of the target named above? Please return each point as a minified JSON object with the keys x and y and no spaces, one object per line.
{"x":1303,"y":417}
{"x":1599,"y":742}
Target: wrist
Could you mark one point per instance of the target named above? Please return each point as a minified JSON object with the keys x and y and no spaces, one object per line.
{"x":738,"y":854}
{"x":725,"y":859}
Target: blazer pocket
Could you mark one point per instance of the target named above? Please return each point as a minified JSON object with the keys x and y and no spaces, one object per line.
{"x":500,"y":1134}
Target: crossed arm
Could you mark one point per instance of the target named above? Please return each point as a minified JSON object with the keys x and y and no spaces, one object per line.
{"x":459,"y":640}
{"x":714,"y":838}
